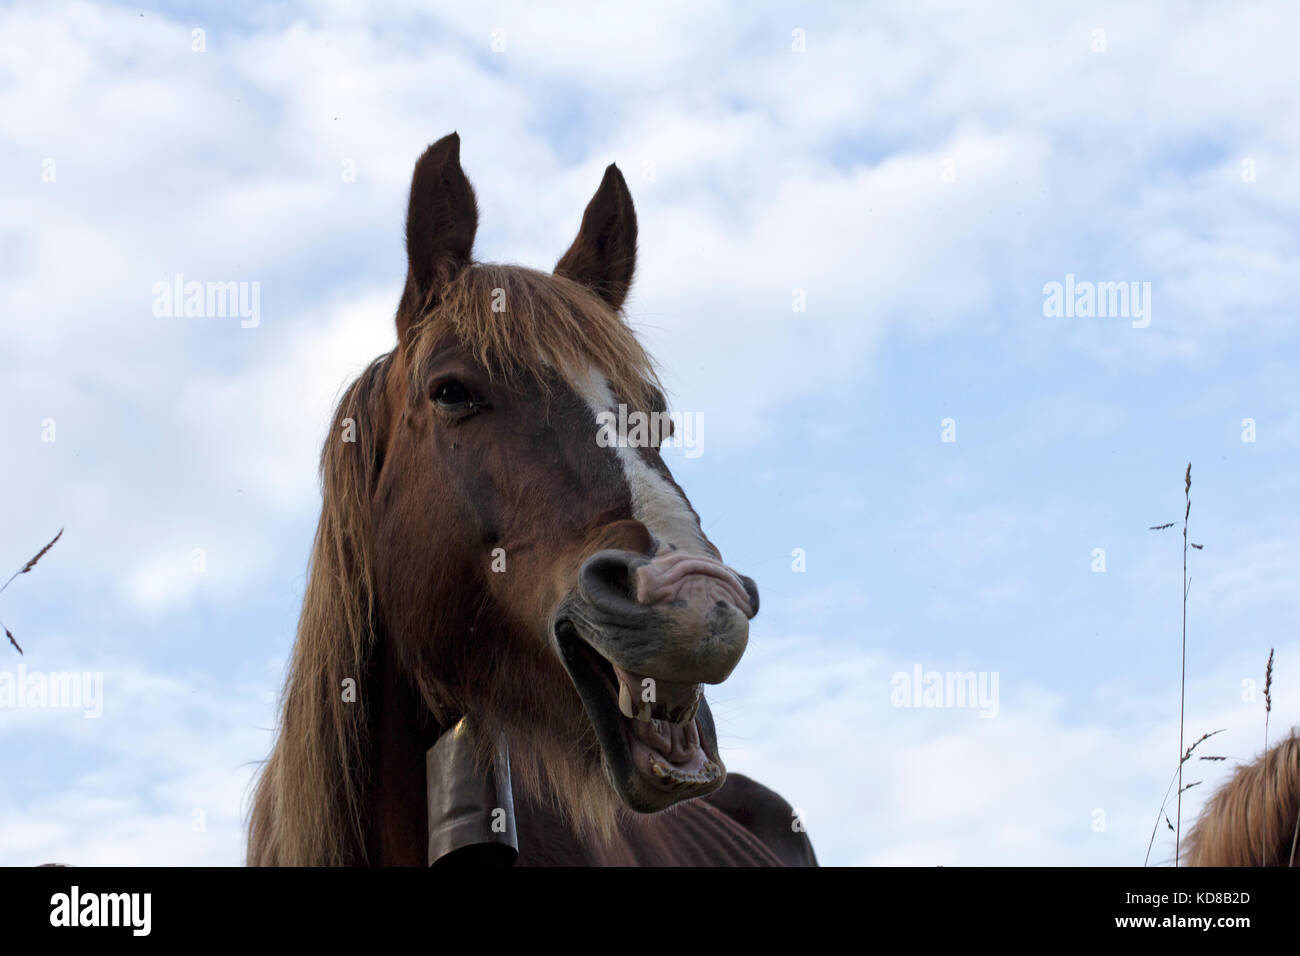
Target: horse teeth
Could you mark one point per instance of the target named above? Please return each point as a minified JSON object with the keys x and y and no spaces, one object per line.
{"x":692,"y":710}
{"x":682,"y":778}
{"x":625,"y":700}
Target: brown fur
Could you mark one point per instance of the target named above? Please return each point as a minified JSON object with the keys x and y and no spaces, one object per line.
{"x":308,"y":808}
{"x":1254,"y":813}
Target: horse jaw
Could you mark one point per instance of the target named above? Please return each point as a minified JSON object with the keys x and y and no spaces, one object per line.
{"x":651,"y":762}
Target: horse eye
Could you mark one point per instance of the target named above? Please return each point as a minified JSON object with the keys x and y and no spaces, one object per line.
{"x":452,"y":395}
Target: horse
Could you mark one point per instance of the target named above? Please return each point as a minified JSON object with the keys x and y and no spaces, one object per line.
{"x":1254,"y":818}
{"x":484,"y":562}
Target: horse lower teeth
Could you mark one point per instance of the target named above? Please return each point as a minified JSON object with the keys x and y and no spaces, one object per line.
{"x":705,"y":774}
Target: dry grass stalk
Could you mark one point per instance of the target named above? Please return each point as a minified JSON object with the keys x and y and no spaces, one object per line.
{"x":23,"y":570}
{"x":1182,"y":683}
{"x":1187,"y":755}
{"x":1263,"y":796}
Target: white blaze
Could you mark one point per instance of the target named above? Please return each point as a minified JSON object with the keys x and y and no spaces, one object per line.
{"x":656,"y":502}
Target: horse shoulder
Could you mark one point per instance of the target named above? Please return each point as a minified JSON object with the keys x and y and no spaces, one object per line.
{"x":767,"y":816}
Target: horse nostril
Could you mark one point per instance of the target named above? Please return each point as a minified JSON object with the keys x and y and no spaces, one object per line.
{"x":751,"y":589}
{"x":606,"y":580}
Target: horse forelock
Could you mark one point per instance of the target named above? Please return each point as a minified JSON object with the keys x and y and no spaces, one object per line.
{"x":517,"y":322}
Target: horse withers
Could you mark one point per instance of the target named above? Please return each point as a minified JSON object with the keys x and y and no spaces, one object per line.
{"x":481,"y":555}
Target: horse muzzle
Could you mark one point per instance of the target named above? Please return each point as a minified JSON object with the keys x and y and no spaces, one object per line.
{"x":639,"y":636}
{"x":679,"y":617}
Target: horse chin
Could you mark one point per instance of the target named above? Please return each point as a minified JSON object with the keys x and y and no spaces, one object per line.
{"x":659,"y":755}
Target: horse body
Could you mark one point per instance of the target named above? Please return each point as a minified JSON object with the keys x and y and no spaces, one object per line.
{"x":481,"y":553}
{"x":742,"y":824}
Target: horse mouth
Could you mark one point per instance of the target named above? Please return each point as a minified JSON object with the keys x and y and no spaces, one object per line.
{"x":657,"y":737}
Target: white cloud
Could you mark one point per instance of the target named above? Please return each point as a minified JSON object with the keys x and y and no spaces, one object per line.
{"x":162,"y":777}
{"x":773,"y":170}
{"x":881,"y":785}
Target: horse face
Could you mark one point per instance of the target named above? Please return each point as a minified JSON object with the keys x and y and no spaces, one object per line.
{"x":584,"y":555}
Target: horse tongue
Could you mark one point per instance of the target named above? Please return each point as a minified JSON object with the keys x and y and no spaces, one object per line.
{"x":677,"y":743}
{"x":686,"y":743}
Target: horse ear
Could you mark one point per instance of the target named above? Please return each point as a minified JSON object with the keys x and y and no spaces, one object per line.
{"x":603,"y":257}
{"x":440,"y":226}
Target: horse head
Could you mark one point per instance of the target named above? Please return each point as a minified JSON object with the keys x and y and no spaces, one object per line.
{"x":495,"y":544}
{"x":533,"y":563}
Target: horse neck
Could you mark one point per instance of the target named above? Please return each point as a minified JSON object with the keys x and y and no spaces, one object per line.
{"x":401,"y":731}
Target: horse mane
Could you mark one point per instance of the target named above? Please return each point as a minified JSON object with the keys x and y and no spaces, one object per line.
{"x":307,"y":808}
{"x":309,"y":802}
{"x":1256,"y":812}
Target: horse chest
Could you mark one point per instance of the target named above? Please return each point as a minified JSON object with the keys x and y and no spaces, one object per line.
{"x":691,"y":834}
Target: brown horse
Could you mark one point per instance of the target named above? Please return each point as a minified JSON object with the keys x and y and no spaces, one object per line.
{"x":482,"y":554}
{"x":1254,"y":818}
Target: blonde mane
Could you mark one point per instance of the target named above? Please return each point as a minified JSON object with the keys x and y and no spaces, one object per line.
{"x":1252,"y":819}
{"x":307,"y":804}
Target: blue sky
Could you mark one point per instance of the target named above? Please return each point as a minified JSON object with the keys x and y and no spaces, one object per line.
{"x":920,"y":171}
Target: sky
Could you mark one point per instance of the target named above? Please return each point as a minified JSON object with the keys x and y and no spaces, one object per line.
{"x":851,"y":218}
